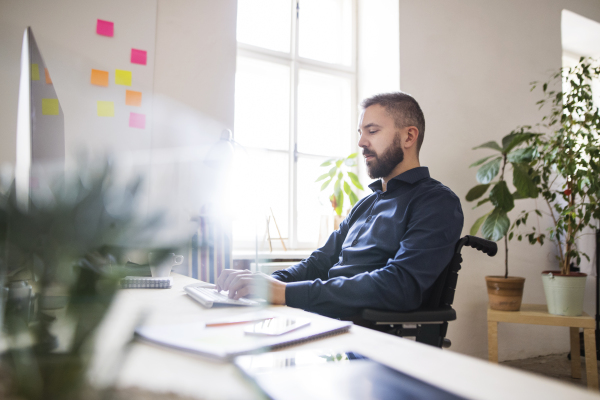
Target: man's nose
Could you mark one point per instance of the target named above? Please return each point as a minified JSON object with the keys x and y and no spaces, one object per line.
{"x":362,"y":142}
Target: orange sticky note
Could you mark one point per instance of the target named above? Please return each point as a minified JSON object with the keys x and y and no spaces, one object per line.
{"x":99,"y":78}
{"x":48,"y":80}
{"x":133,"y":98}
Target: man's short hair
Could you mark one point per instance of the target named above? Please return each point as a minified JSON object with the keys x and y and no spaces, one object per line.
{"x":403,"y":108}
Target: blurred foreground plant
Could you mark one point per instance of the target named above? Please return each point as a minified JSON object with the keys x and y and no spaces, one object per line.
{"x":57,"y":241}
{"x":339,"y":173}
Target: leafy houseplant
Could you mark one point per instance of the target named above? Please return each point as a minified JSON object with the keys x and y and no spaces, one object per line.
{"x":568,"y":165}
{"x":62,"y":241}
{"x":339,"y":173}
{"x":516,"y":151}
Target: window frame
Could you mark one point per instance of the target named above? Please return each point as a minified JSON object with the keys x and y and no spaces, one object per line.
{"x":296,"y":63}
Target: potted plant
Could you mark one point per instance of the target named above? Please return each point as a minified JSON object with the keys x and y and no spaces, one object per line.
{"x":568,"y":164}
{"x":60,"y":251}
{"x":342,"y":177}
{"x":505,"y":292}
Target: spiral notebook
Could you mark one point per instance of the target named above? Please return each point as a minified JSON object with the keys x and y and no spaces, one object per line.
{"x":140,"y":282}
{"x":227,"y":342}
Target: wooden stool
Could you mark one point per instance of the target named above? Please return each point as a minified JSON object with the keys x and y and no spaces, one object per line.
{"x":537,"y":314}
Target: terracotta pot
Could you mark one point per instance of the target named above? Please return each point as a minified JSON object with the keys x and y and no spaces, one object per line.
{"x":505,"y":293}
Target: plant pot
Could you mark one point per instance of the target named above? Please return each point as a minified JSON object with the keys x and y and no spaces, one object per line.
{"x":564,"y":293}
{"x":505,"y":293}
{"x":337,"y":220}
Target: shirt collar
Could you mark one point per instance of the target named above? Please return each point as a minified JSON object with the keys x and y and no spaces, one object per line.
{"x":411,"y":176}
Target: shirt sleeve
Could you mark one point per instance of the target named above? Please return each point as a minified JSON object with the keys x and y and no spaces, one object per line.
{"x":318,"y":264}
{"x":402,"y":284}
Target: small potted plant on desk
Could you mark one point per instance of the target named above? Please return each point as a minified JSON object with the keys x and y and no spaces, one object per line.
{"x":568,"y":164}
{"x":339,"y":173}
{"x":505,"y":292}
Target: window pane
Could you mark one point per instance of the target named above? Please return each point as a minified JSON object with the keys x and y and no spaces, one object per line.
{"x":262,"y":110}
{"x":259,"y":184}
{"x":325,"y":28}
{"x":324,"y":105}
{"x":312,"y":203}
{"x":265,"y":23}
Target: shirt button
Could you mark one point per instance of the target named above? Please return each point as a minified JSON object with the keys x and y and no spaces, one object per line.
{"x":354,"y":242}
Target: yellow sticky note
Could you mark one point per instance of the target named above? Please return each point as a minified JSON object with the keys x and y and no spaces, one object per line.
{"x":105,"y":108}
{"x":122,"y":77}
{"x":50,"y":107}
{"x":35,"y":72}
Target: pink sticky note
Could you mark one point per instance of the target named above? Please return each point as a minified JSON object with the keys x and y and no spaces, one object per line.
{"x":138,"y":56}
{"x":137,"y":120}
{"x":105,"y":28}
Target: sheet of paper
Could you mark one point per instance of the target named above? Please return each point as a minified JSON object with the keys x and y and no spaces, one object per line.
{"x":105,"y":28}
{"x":35,"y":72}
{"x":133,"y":98}
{"x":50,"y":107}
{"x":48,"y":80}
{"x":105,"y":108}
{"x":99,"y":78}
{"x":138,"y":56}
{"x":137,"y":120}
{"x":122,"y":77}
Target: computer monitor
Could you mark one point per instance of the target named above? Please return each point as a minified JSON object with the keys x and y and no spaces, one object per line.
{"x":40,"y":123}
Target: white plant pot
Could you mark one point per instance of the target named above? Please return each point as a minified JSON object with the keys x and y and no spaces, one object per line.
{"x":564,"y":294}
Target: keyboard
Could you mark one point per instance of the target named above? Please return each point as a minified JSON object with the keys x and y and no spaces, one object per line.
{"x":208,"y":297}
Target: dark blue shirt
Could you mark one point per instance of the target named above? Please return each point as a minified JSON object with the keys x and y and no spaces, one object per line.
{"x":387,"y":253}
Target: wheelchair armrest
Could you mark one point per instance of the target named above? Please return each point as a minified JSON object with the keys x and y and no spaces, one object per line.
{"x":417,"y":316}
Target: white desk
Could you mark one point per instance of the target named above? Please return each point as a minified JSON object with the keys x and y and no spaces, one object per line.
{"x":165,"y":370}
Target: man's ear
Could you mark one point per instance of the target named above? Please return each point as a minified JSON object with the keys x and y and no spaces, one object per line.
{"x":411,"y":136}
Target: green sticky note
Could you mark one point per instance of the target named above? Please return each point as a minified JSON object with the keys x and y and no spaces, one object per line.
{"x":35,"y":72}
{"x":50,"y":107}
{"x":122,"y":77}
{"x":105,"y":108}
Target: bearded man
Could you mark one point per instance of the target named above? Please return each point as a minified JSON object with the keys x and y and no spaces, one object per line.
{"x":394,"y":243}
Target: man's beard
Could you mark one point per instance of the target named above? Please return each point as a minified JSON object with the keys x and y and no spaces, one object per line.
{"x":382,"y":166}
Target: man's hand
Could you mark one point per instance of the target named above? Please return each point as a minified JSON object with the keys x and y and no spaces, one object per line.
{"x":241,"y":283}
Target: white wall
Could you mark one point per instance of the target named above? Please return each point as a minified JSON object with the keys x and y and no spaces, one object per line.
{"x":469,"y":64}
{"x":189,"y":81}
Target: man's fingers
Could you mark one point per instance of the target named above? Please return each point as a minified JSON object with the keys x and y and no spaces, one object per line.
{"x":239,"y":282}
{"x":245,"y":291}
{"x":233,"y":276}
{"x":222,"y":278}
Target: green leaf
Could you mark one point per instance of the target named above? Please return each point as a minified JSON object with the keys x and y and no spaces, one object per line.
{"x":477,"y":224}
{"x":340,"y":175}
{"x":337,"y":187}
{"x":480,"y":202}
{"x":488,"y":171}
{"x":355,"y":180}
{"x":326,"y":163}
{"x":347,"y":188}
{"x":340,"y":203}
{"x":332,"y":171}
{"x":353,"y":198}
{"x":512,"y":140}
{"x":501,"y":197}
{"x":523,"y":181}
{"x":322,"y":177}
{"x":353,"y":155}
{"x":325,"y":184}
{"x":490,"y":145}
{"x":521,"y":155}
{"x":338,"y":163}
{"x":495,"y":226}
{"x":477,"y":192}
{"x":479,"y":162}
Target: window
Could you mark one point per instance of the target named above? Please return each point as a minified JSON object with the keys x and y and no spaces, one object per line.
{"x":295,"y":107}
